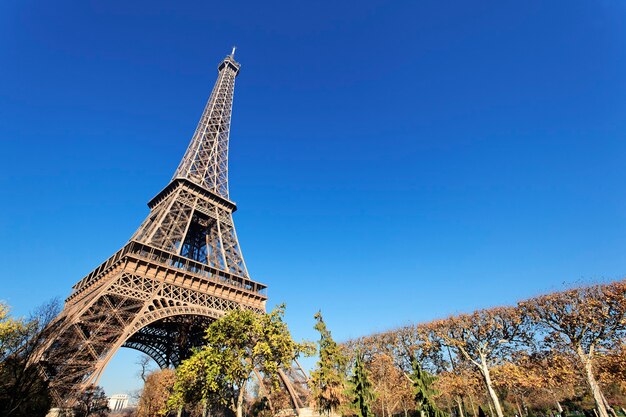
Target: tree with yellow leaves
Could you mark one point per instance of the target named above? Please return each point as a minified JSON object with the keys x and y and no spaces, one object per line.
{"x":158,"y":387}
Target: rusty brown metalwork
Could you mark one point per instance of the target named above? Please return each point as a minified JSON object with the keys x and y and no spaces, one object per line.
{"x":182,"y":269}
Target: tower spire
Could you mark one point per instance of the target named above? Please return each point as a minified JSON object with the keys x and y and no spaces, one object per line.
{"x":205,"y":162}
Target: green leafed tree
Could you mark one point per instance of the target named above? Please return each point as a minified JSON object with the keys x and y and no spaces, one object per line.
{"x":216,"y":375}
{"x":361,"y":389}
{"x":424,"y":392}
{"x":328,"y":379}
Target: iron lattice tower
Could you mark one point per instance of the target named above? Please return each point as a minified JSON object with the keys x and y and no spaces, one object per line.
{"x":181,"y":269}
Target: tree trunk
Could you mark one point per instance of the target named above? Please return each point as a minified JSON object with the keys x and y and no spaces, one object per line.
{"x":559,"y":408}
{"x":473,"y":407}
{"x":492,"y":393}
{"x":239,"y":412}
{"x":519,"y":409}
{"x":608,"y":406}
{"x":490,"y":407}
{"x":593,"y":384}
{"x":458,"y":405}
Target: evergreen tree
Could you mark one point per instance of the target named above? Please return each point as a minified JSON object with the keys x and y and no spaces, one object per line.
{"x":328,"y":378}
{"x":422,"y":383}
{"x":361,"y":389}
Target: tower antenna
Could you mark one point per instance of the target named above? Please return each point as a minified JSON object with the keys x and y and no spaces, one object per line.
{"x":233,"y":52}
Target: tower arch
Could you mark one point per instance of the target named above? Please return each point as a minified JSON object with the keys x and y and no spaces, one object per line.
{"x":182,"y":268}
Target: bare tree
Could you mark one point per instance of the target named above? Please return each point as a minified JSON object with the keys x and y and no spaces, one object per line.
{"x":145,"y":367}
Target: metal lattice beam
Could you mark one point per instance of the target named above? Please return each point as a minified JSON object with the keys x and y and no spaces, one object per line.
{"x":180,"y":270}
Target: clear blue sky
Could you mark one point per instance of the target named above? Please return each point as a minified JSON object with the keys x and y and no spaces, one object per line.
{"x":392,"y":161}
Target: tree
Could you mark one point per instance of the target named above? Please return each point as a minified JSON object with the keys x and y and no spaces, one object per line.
{"x":451,"y":387}
{"x":92,"y":402}
{"x":23,"y":391}
{"x":145,"y":367}
{"x":582,"y":321}
{"x":390,"y":385}
{"x":11,"y":332}
{"x":424,"y":392}
{"x":483,"y":338}
{"x":235,"y":346}
{"x":157,"y":389}
{"x":328,"y":378}
{"x":361,"y":389}
{"x":612,"y":367}
{"x":558,"y":379}
{"x":519,"y":379}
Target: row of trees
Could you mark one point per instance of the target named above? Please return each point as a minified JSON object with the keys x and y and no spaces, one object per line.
{"x":242,"y":367}
{"x":564,"y":347}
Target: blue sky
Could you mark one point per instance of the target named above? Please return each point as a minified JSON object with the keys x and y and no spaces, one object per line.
{"x":392,"y":161}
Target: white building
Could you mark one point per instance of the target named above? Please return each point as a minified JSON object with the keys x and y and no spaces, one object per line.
{"x":118,"y":402}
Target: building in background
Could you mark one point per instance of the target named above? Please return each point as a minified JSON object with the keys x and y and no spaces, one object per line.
{"x":118,"y":402}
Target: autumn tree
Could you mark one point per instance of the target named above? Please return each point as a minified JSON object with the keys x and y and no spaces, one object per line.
{"x":23,"y":391}
{"x":612,"y":367}
{"x":518,"y":380}
{"x":462,"y":388}
{"x":328,"y":378}
{"x":361,"y":389}
{"x":583,"y":321}
{"x":558,"y":377}
{"x":156,"y":391}
{"x":390,"y":386}
{"x":483,"y":339}
{"x":235,"y":346}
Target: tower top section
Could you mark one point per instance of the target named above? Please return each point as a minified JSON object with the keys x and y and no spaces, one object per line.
{"x":205,"y":162}
{"x":230,"y":61}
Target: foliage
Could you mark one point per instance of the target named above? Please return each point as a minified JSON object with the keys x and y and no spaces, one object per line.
{"x":235,"y":345}
{"x":328,"y":378}
{"x":392,"y":389}
{"x":157,"y":389}
{"x":91,"y":403}
{"x":424,"y":392}
{"x":361,"y":389}
{"x":582,"y":321}
{"x":483,"y":339}
{"x":23,"y":391}
{"x":559,"y":353}
{"x":12,"y":331}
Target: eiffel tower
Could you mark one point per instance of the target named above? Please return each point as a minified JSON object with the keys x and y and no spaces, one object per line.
{"x":181,"y":269}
